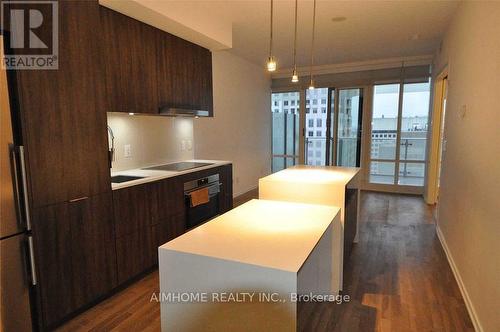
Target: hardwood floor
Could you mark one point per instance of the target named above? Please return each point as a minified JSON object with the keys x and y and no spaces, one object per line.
{"x":398,"y":279}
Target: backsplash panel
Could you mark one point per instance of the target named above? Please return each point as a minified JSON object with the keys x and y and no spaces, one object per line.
{"x":152,"y":139}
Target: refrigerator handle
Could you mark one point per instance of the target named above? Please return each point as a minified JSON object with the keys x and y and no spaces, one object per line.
{"x":25,"y":188}
{"x":31,"y":252}
{"x":17,"y":192}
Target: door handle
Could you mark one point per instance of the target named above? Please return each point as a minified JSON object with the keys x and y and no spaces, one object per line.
{"x":25,"y":187}
{"x":78,"y":199}
{"x":31,"y":252}
{"x":17,"y":192}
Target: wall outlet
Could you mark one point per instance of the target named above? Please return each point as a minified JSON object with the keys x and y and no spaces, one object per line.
{"x":127,"y":151}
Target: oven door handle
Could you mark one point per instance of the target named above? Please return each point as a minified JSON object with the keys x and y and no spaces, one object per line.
{"x":213,"y":189}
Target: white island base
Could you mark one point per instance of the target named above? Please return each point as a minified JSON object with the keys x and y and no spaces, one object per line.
{"x":227,"y":274}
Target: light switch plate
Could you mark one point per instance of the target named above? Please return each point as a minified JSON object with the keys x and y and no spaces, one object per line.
{"x":127,"y":151}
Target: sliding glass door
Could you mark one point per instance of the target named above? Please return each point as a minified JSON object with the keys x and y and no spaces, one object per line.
{"x":285,"y":129}
{"x":333,"y":137}
{"x":399,"y":134}
{"x":348,"y":124}
{"x":317,"y":129}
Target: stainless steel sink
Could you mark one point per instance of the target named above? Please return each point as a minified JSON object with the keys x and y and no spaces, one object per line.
{"x":125,"y":178}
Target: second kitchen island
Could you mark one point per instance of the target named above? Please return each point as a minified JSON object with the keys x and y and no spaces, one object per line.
{"x":326,"y":185}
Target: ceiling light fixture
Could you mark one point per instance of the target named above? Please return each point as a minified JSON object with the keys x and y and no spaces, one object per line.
{"x":295,"y":76}
{"x":311,"y":81}
{"x":271,"y":60}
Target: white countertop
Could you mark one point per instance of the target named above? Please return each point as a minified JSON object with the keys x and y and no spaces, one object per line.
{"x":155,"y":175}
{"x":315,"y":174}
{"x":274,"y":234}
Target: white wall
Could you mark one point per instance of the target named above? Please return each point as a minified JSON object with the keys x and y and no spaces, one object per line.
{"x":153,"y":139}
{"x":241,"y":128}
{"x":469,"y":198}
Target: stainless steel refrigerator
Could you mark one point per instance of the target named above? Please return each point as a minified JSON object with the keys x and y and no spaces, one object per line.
{"x":16,"y":245}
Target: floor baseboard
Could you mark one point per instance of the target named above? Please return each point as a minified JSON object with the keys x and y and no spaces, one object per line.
{"x":461,"y":286}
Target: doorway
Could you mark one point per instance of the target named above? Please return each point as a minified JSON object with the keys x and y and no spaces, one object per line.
{"x":437,"y":144}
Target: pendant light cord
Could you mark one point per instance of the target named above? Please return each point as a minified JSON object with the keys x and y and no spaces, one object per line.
{"x":312,"y":41}
{"x":271,"y":28}
{"x":295,"y":39}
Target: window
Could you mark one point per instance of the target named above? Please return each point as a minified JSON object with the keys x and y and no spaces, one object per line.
{"x":285,"y":131}
{"x":319,"y":122}
{"x":323,"y":110}
{"x":318,"y":133}
{"x":398,"y":157}
{"x":323,"y":101}
{"x":315,"y":110}
{"x":310,"y":133}
{"x":307,"y":101}
{"x":311,"y":123}
{"x":292,"y":102}
{"x":307,"y":109}
{"x":315,"y":101}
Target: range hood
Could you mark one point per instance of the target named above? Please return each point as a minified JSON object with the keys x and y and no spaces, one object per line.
{"x":173,"y":111}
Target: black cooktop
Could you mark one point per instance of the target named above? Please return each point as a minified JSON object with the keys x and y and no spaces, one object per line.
{"x":178,"y":167}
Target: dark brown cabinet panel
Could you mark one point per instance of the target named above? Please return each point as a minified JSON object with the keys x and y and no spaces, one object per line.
{"x":75,"y":255}
{"x":129,"y":48}
{"x":170,"y":198}
{"x":93,"y":248}
{"x":63,"y":114}
{"x":167,"y":230}
{"x":226,"y":177}
{"x":134,"y":254}
{"x":134,"y":208}
{"x":184,"y":74}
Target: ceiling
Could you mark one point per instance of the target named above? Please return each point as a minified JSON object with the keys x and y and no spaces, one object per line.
{"x":372,"y":29}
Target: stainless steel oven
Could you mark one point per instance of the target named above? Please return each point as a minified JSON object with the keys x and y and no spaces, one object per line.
{"x":196,"y":215}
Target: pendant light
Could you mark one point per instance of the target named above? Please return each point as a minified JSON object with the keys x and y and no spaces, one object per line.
{"x":271,"y":60}
{"x":295,"y":76}
{"x":311,"y":81}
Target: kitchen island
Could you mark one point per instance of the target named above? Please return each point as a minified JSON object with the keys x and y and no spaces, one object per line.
{"x":326,"y":185}
{"x":244,"y":267}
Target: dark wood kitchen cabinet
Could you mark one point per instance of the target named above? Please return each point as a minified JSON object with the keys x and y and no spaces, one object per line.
{"x":184,"y":74}
{"x":226,"y":177}
{"x":129,"y":50}
{"x":75,"y":255}
{"x":63,"y":114}
{"x":134,"y":209}
{"x":146,"y":68}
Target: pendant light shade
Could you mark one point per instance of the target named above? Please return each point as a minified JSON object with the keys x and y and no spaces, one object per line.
{"x":295,"y":76}
{"x":311,"y":84}
{"x":311,"y":80}
{"x":271,"y":63}
{"x":271,"y":60}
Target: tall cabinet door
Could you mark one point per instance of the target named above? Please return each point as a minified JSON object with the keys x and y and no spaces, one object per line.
{"x":129,"y":50}
{"x":63,"y":114}
{"x":75,"y":255}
